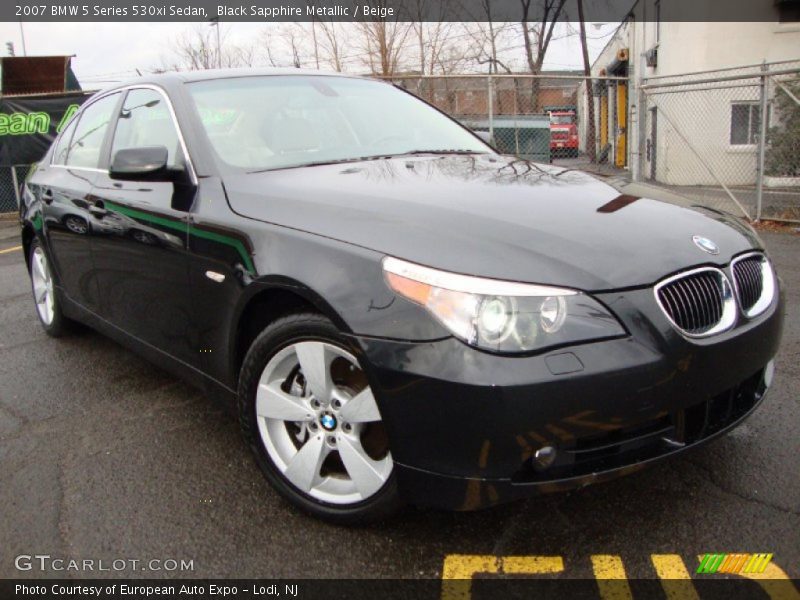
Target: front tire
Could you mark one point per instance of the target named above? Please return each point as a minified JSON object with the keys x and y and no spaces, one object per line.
{"x":48,"y":306}
{"x":311,"y":420}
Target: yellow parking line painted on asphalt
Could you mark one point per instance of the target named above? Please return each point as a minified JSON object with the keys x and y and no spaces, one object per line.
{"x":531,"y":565}
{"x":609,"y":572}
{"x":464,"y":566}
{"x":459,"y":569}
{"x":612,"y":582}
{"x":675,"y":579}
{"x":7,"y":250}
{"x":774,"y":581}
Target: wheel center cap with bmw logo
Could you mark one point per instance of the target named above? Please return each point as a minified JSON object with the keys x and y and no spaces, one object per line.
{"x":328,"y":422}
{"x":705,"y":244}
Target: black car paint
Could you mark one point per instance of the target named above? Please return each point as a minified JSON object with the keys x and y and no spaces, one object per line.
{"x":506,"y":219}
{"x":458,"y":418}
{"x":67,"y":194}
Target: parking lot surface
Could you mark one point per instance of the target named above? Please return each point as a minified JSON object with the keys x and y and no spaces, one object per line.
{"x":104,"y":456}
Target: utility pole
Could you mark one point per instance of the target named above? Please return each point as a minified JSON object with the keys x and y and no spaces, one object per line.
{"x":22,"y":34}
{"x":587,"y":71}
{"x":215,"y":23}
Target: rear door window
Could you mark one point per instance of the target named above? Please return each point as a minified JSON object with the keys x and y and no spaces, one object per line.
{"x":87,"y":142}
{"x":60,"y":152}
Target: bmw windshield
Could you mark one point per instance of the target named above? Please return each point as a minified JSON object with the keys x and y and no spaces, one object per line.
{"x":283,"y":121}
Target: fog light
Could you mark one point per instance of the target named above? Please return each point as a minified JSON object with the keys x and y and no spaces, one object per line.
{"x":544,"y":457}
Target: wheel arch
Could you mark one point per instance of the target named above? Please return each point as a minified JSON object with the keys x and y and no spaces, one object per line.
{"x":268,"y":301}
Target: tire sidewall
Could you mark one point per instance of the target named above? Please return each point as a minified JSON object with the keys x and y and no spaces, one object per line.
{"x":279,"y":335}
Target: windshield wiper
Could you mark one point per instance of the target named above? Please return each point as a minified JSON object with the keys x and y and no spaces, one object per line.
{"x":441,"y":151}
{"x":338,"y":161}
{"x":319,"y":163}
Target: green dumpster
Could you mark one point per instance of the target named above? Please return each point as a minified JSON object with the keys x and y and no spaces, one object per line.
{"x":526,"y":136}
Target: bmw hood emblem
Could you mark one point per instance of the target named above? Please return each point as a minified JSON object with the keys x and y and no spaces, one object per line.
{"x":705,"y":244}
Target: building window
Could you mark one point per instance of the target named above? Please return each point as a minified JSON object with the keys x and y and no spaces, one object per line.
{"x":745,"y":123}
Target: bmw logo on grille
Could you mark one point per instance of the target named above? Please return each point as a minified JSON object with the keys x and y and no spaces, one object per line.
{"x":328,"y":422}
{"x":705,"y":244}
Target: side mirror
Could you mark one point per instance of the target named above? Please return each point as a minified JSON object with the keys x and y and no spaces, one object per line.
{"x":148,"y":163}
{"x":485,"y":136}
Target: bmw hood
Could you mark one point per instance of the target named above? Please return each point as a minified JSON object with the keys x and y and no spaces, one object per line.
{"x":492,"y":216}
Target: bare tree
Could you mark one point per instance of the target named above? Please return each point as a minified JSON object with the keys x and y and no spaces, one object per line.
{"x":485,"y":34}
{"x":383,"y":44}
{"x":294,"y":45}
{"x":537,"y":36}
{"x":314,"y":39}
{"x":332,"y":44}
{"x":197,"y":48}
{"x":434,"y":42}
{"x":450,"y":59}
{"x":269,"y":44}
{"x":285,"y":45}
{"x":433,"y":34}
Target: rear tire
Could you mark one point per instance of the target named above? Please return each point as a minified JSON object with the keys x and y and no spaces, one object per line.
{"x":45,"y":295}
{"x":308,"y":414}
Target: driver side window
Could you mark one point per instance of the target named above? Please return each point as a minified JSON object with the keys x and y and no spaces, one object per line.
{"x":145,"y":120}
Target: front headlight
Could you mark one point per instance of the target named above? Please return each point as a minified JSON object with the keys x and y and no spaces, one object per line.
{"x":502,"y":316}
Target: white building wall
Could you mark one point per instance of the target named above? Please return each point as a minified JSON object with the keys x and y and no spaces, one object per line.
{"x":701,"y":118}
{"x":691,"y":47}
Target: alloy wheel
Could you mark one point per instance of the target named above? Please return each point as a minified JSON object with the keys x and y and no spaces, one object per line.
{"x":42,"y":286}
{"x":320,"y":424}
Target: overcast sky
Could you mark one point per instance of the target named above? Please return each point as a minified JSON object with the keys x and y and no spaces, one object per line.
{"x":107,"y":52}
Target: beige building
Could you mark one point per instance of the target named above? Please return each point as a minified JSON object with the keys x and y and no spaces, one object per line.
{"x":693,"y":106}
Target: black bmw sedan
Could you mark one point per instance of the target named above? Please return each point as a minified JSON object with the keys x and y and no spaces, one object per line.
{"x":400,"y":313}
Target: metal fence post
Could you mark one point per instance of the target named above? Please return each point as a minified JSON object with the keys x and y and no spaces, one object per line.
{"x":15,"y":182}
{"x":490,"y":97}
{"x":762,"y":138}
{"x":641,"y":137}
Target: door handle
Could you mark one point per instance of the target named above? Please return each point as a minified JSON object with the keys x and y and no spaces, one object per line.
{"x":47,"y":196}
{"x":98,"y":209}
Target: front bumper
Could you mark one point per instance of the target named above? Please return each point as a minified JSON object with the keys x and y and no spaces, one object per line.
{"x":465,"y":425}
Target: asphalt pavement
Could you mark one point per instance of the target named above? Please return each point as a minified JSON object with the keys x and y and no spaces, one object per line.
{"x":105,"y":457}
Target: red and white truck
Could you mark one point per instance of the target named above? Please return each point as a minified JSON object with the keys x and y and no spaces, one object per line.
{"x":563,"y":134}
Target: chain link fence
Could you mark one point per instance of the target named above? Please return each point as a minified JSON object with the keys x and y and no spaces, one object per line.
{"x":698,"y":135}
{"x":11,"y":180}
{"x":703,"y":136}
{"x":781,"y":186}
{"x":537,"y":117}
